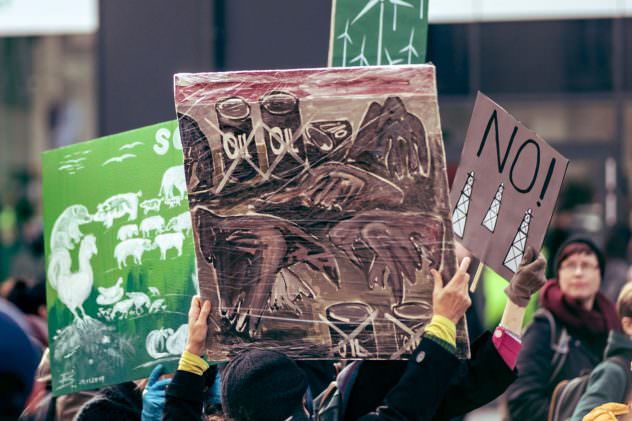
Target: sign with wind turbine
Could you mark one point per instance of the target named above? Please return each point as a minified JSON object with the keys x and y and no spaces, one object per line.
{"x":378,"y":32}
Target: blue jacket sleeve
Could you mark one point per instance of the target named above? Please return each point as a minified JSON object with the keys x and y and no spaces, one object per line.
{"x":607,"y":383}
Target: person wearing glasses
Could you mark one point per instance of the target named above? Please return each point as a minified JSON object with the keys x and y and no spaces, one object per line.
{"x":569,"y":332}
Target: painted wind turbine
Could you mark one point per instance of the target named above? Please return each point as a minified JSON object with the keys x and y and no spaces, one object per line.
{"x":346,"y":38}
{"x":361,"y":57}
{"x":410,"y":48}
{"x":421,"y":9}
{"x":391,"y":61}
{"x":396,"y":3}
{"x":370,"y":5}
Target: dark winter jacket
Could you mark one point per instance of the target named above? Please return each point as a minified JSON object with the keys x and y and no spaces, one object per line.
{"x":528,"y":398}
{"x":186,"y":394}
{"x":434,"y":384}
{"x":608,"y":381}
{"x":439,"y":388}
{"x":120,"y":402}
{"x":319,"y":374}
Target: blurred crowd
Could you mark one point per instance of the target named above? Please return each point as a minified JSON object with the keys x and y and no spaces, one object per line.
{"x":566,"y":303}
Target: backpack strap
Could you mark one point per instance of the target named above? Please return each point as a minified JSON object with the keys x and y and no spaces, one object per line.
{"x":346,"y":380}
{"x":555,"y":398}
{"x":559,"y":342}
{"x":331,"y":403}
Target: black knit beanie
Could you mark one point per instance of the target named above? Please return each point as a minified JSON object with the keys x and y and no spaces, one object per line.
{"x":563,"y":253}
{"x":262,"y":385}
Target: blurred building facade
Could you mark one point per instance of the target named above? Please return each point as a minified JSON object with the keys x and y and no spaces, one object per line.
{"x":566,"y":75}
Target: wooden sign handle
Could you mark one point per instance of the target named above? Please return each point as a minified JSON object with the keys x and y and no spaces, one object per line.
{"x":477,"y":275}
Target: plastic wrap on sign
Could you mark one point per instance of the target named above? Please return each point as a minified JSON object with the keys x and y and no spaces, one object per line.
{"x":319,"y":202}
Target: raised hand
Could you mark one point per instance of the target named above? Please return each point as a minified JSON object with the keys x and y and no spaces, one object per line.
{"x":452,"y":300}
{"x":528,"y":279}
{"x":154,"y":395}
{"x":392,"y":138}
{"x":198,"y":325}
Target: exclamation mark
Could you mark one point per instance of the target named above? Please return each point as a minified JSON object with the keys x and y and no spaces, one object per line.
{"x":547,"y":180}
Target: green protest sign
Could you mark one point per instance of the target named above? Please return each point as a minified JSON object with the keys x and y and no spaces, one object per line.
{"x":378,"y":32}
{"x":119,"y":256}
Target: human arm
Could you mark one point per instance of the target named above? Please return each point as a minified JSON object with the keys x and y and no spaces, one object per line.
{"x":479,"y":380}
{"x":607,"y":383}
{"x":375,"y":379}
{"x":433,"y":363}
{"x":186,"y":392}
{"x":507,"y":337}
{"x":421,"y":387}
{"x":524,"y":283}
{"x":490,"y":370}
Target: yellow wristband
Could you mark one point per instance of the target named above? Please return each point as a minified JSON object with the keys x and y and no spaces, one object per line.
{"x":442,"y":328}
{"x":192,"y":363}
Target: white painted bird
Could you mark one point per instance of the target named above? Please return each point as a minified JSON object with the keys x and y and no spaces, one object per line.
{"x":110,"y":295}
{"x":73,"y":288}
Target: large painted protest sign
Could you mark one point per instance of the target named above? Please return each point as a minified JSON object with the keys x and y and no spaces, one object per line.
{"x":119,"y":254}
{"x":505,"y":188}
{"x":319,"y":204}
{"x":378,"y":32}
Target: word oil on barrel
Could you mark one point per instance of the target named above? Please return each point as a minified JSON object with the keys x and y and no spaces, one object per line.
{"x":505,"y":188}
{"x":319,"y":204}
{"x":351,"y":328}
{"x":282,"y":122}
{"x":235,"y":123}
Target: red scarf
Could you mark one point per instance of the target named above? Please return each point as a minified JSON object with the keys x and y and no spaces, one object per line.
{"x":600,"y":320}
